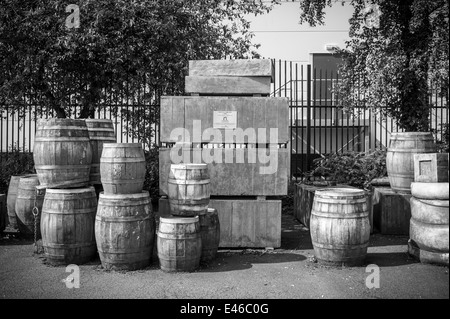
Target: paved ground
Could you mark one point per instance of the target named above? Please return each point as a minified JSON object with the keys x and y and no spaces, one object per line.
{"x":286,"y":273}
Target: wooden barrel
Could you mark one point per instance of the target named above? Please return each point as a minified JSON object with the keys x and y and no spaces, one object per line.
{"x":122,"y":168}
{"x":188,"y":189}
{"x":62,"y":153}
{"x":400,"y":157}
{"x":429,"y":229}
{"x":125,"y":231}
{"x":340,"y":227}
{"x":3,"y":213}
{"x":67,"y":225}
{"x":28,"y":198}
{"x":11,"y":200}
{"x":100,"y":132}
{"x":179,"y":243}
{"x":210,"y":233}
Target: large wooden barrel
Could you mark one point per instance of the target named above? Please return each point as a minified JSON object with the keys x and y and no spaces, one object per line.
{"x":11,"y":200}
{"x":122,"y":168}
{"x":125,"y":231}
{"x":62,"y":153}
{"x":188,"y":189}
{"x":67,"y":225}
{"x":340,"y":227}
{"x":26,"y":201}
{"x":101,"y":131}
{"x":400,"y":157}
{"x":210,"y":233}
{"x":429,"y":230}
{"x":179,"y":243}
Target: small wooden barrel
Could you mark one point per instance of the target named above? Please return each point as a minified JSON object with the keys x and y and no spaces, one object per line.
{"x":179,"y":243}
{"x":340,"y":227}
{"x":11,"y":200}
{"x":122,"y":168}
{"x":67,"y":225}
{"x":429,"y":229}
{"x":125,"y":231}
{"x":400,"y":157}
{"x":100,"y":132}
{"x":62,"y":153}
{"x":27,"y":199}
{"x":188,"y":189}
{"x":210,"y":233}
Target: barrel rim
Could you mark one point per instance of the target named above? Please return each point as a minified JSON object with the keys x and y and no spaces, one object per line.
{"x":70,"y":190}
{"x":143,"y":194}
{"x":188,"y":166}
{"x":179,"y":220}
{"x":98,"y":120}
{"x":61,"y":120}
{"x":340,"y":191}
{"x":395,"y":134}
{"x":122,"y":145}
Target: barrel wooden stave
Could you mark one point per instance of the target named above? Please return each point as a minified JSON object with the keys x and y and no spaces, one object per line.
{"x":11,"y":200}
{"x":125,"y":231}
{"x":62,"y":153}
{"x":400,"y":157}
{"x":188,"y":189}
{"x":179,"y":244}
{"x":210,"y":233}
{"x":122,"y":168}
{"x":101,"y":131}
{"x":67,"y":225}
{"x":27,"y":198}
{"x":339,"y":226}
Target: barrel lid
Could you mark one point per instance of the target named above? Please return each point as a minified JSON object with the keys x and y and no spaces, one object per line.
{"x":143,"y":194}
{"x":340,"y":192}
{"x":70,"y":190}
{"x":188,"y":166}
{"x":178,"y":220}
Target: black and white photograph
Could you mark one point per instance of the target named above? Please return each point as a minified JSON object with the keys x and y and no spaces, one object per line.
{"x":224,"y":158}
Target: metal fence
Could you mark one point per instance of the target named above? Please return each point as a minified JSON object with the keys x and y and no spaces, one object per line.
{"x":317,"y":126}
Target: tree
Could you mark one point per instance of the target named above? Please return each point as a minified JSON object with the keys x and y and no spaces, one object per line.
{"x":137,"y":48}
{"x":398,"y":50}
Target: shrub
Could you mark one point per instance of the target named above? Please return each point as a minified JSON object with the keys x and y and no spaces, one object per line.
{"x":356,"y":169}
{"x":443,"y":144}
{"x":15,"y":162}
{"x":151,"y":182}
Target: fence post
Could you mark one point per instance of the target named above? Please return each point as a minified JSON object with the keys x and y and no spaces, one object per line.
{"x":308,"y":116}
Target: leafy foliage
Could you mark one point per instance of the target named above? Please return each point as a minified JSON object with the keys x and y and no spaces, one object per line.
{"x":391,"y":66}
{"x":444,"y":143}
{"x":151,"y":183}
{"x":140,"y":48}
{"x":18,"y":162}
{"x":353,"y":168}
